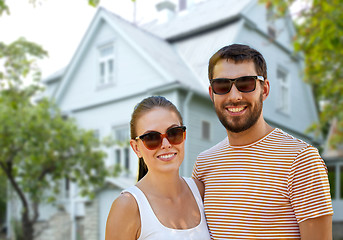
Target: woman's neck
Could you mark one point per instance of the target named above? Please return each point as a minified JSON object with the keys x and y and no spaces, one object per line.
{"x":162,"y":185}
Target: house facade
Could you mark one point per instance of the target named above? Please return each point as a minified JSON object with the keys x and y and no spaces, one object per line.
{"x":118,"y":63}
{"x":333,"y":156}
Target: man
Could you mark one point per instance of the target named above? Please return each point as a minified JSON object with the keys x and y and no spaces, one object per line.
{"x":260,"y":182}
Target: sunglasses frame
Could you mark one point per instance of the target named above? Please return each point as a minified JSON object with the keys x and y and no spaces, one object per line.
{"x":141,"y":137}
{"x":234,"y":81}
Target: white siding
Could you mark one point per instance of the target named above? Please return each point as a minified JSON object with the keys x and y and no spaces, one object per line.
{"x":132,"y":75}
{"x":106,"y":198}
{"x":200,"y":109}
{"x":196,"y":51}
{"x":302,"y":108}
{"x":104,"y":117}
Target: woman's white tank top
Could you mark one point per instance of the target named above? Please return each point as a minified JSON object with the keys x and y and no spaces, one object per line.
{"x":152,"y":228}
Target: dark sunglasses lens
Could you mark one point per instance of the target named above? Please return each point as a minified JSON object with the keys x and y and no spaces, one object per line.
{"x":152,"y":140}
{"x":175,"y":135}
{"x":246,"y":84}
{"x":221,"y":86}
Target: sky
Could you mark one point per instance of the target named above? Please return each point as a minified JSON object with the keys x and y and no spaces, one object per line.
{"x":59,"y":25}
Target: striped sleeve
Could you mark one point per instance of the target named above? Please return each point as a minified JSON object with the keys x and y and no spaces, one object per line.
{"x":308,"y":186}
{"x":195,"y":173}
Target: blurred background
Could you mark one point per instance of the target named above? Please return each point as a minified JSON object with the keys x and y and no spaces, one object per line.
{"x":71,"y":73}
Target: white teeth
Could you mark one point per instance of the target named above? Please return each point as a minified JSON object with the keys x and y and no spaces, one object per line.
{"x":236,"y":109}
{"x":166,"y":156}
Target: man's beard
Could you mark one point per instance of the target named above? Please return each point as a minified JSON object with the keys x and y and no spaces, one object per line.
{"x":237,"y":124}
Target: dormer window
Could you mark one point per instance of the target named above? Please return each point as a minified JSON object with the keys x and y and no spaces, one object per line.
{"x":106,"y":64}
{"x":271,"y":32}
{"x":284,"y":98}
{"x":271,"y":18}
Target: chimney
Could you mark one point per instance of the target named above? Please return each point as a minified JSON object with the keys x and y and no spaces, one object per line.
{"x":166,"y":10}
{"x":182,"y":5}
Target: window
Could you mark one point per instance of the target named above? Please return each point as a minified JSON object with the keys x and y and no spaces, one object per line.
{"x":106,"y":64}
{"x":271,"y":32}
{"x":96,"y":134}
{"x":117,"y":153}
{"x":121,"y":135}
{"x":65,"y":188}
{"x":332,"y":180}
{"x":283,"y":91}
{"x":205,"y":130}
{"x":126,"y":158}
{"x":341,"y":182}
{"x":271,"y":16}
{"x":121,"y":148}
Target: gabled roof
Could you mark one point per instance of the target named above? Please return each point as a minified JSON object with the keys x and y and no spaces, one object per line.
{"x":55,"y":76}
{"x":159,"y":53}
{"x":331,"y":153}
{"x":203,"y":16}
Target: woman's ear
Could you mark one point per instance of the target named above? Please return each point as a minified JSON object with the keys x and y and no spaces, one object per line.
{"x":135,"y":148}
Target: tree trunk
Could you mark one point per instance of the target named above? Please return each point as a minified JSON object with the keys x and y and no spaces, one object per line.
{"x":27,"y":226}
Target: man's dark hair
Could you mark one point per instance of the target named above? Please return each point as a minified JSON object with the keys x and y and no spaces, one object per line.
{"x":239,"y":53}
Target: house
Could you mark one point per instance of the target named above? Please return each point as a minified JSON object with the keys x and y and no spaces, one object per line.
{"x":118,"y":63}
{"x":333,"y":157}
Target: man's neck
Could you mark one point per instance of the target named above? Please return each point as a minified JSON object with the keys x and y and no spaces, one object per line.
{"x":251,"y":135}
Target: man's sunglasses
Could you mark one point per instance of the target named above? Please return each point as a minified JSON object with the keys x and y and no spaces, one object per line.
{"x":244,"y":84}
{"x":153,"y":140}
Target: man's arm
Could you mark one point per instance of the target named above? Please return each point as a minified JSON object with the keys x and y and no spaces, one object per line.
{"x":319,"y":228}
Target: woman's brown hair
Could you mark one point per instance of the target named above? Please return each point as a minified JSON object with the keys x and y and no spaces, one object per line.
{"x":142,"y":108}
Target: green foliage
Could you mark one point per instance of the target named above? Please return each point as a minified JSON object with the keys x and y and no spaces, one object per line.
{"x":116,"y":170}
{"x":38,"y":146}
{"x":19,"y":60}
{"x":17,"y":230}
{"x":320,"y":38}
{"x":3,"y":196}
{"x":332,"y":181}
{"x":3,"y":7}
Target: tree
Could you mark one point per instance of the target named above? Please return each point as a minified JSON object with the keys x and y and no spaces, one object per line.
{"x":38,"y":146}
{"x":319,"y":37}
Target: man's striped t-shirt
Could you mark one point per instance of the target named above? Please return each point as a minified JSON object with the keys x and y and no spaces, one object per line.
{"x":264,"y":189}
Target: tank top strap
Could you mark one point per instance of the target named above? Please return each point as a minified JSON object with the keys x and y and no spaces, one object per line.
{"x":194,"y":188}
{"x":152,"y":229}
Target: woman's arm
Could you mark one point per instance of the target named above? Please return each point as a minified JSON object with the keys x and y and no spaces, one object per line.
{"x":123,"y":221}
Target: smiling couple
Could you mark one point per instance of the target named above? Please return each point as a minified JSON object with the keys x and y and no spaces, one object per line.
{"x":258,"y":183}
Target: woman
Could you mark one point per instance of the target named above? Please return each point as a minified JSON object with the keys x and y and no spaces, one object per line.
{"x":162,"y":205}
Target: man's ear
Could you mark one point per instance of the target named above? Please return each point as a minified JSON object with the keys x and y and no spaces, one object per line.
{"x":266,"y":89}
{"x":135,"y":148}
{"x":210,"y":92}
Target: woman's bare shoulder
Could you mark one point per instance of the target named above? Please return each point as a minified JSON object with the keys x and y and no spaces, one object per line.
{"x":123,"y":219}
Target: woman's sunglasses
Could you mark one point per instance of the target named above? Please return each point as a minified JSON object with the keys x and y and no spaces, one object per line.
{"x":244,"y":84}
{"x":153,"y":140}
